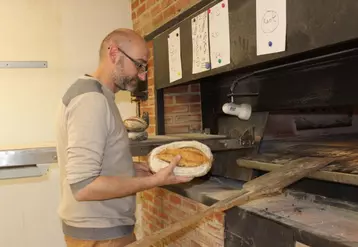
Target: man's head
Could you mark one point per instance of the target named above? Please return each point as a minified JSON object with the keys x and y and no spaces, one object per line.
{"x":123,"y":59}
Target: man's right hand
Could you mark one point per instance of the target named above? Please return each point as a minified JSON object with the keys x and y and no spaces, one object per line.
{"x":165,"y":176}
{"x":109,"y":187}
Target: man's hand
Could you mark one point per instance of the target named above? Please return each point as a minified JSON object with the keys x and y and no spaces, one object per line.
{"x":166,"y":176}
{"x":142,"y":169}
{"x":108,"y":187}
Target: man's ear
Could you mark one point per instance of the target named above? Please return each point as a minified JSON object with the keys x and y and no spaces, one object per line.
{"x":113,"y":54}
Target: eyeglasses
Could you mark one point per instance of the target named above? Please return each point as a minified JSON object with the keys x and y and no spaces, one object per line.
{"x":141,"y":67}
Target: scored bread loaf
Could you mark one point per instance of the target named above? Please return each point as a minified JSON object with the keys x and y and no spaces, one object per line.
{"x":196,"y":158}
{"x":138,"y":136}
{"x":135,"y":124}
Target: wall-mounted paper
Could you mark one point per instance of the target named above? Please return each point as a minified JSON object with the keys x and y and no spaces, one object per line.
{"x":219,"y":32}
{"x":175,"y":69}
{"x":200,"y":38}
{"x":270,"y":26}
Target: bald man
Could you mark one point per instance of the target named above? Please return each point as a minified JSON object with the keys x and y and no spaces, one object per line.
{"x":98,"y":177}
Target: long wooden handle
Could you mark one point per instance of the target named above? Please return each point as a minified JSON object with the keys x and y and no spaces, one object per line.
{"x":240,"y":197}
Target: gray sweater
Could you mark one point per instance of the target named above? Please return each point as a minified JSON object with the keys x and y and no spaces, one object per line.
{"x":92,"y":141}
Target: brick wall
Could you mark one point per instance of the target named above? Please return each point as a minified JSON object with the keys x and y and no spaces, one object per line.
{"x":182,"y":104}
{"x":160,"y":208}
{"x":157,"y":208}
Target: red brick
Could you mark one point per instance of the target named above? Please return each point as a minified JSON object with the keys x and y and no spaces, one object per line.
{"x":169,"y":12}
{"x":182,"y":99}
{"x":201,"y":207}
{"x":172,"y":220}
{"x":158,"y":202}
{"x":153,"y":228}
{"x":151,"y":62}
{"x":215,"y":230}
{"x":166,"y":3}
{"x":143,"y":19}
{"x":162,"y":193}
{"x":151,"y":82}
{"x":175,"y":199}
{"x":167,"y":207}
{"x":160,"y":224}
{"x":194,"y":244}
{"x":142,"y":1}
{"x":176,"y":129}
{"x":156,"y":9}
{"x":147,"y":29}
{"x":151,"y":130}
{"x":189,"y":205}
{"x":134,"y":16}
{"x":197,"y":126}
{"x":148,"y":196}
{"x":150,"y":110}
{"x":176,"y":109}
{"x":163,"y":215}
{"x":150,"y":72}
{"x":182,"y":5}
{"x":145,"y":205}
{"x":141,"y":9}
{"x":151,"y":92}
{"x":158,"y":20}
{"x":195,"y":88}
{"x":136,"y":26}
{"x":195,"y":108}
{"x":168,"y":119}
{"x":152,"y":209}
{"x":219,"y":217}
{"x":135,"y":4}
{"x":152,"y":120}
{"x":149,"y":216}
{"x":139,"y":30}
{"x":150,"y":3}
{"x":145,"y":218}
{"x":150,"y":44}
{"x":180,"y":119}
{"x":176,"y":89}
{"x":168,"y":100}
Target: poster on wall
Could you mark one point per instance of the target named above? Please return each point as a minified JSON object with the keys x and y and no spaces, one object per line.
{"x":174,"y":54}
{"x":270,"y":26}
{"x":219,"y":34}
{"x":200,"y":43}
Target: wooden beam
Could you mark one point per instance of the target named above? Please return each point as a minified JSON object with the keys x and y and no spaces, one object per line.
{"x":338,"y":177}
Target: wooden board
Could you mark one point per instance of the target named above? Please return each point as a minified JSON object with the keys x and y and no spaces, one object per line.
{"x":342,"y":164}
{"x":269,"y":184}
{"x":270,"y":162}
{"x":214,"y":142}
{"x":46,"y":152}
{"x":343,"y":148}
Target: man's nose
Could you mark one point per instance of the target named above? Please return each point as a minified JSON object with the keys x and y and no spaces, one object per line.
{"x":142,"y":76}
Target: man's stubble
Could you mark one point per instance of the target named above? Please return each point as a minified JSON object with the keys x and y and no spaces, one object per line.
{"x":125,"y":83}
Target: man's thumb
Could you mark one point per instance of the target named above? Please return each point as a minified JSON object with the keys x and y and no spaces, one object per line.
{"x":174,"y":162}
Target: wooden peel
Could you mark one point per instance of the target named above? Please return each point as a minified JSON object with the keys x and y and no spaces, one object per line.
{"x":269,"y":184}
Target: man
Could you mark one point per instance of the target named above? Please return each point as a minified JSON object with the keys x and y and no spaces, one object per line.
{"x":98,"y":178}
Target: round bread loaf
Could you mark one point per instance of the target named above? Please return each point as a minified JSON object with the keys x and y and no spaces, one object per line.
{"x":135,"y":124}
{"x":196,"y":158}
{"x":138,"y":136}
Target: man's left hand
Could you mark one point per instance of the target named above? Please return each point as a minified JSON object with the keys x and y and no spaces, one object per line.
{"x":142,"y":169}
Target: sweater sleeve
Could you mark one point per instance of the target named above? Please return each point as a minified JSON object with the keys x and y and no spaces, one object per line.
{"x":88,"y":127}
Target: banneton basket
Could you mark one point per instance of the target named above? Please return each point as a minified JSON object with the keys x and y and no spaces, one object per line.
{"x":135,"y":124}
{"x":155,"y":164}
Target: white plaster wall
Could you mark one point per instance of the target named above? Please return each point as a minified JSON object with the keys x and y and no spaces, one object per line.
{"x":67,"y":34}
